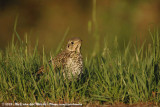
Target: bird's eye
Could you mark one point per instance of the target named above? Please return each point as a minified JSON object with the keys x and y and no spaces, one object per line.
{"x":72,"y":42}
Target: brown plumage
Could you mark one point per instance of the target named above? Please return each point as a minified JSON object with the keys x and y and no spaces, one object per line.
{"x":70,"y":60}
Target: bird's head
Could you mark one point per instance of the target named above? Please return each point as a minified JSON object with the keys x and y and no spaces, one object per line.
{"x":74,"y":44}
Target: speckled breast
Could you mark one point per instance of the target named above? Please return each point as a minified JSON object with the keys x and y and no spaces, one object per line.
{"x":74,"y":66}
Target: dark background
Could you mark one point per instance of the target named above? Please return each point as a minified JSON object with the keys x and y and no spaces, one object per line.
{"x":47,"y":21}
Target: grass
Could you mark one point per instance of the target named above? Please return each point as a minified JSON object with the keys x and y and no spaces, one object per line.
{"x":110,"y":77}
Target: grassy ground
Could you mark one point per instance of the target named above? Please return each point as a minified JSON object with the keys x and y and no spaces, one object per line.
{"x":109,"y":77}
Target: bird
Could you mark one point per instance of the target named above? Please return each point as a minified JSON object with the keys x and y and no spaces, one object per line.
{"x":70,"y":60}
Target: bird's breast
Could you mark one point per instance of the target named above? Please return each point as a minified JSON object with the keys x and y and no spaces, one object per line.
{"x":74,"y":65}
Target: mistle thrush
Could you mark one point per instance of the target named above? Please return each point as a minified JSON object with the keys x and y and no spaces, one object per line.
{"x":69,"y":60}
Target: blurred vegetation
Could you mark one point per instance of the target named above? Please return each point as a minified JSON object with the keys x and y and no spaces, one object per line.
{"x":48,"y":21}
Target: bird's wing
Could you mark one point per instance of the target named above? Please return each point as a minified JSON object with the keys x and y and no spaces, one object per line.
{"x":60,"y":60}
{"x":57,"y":62}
